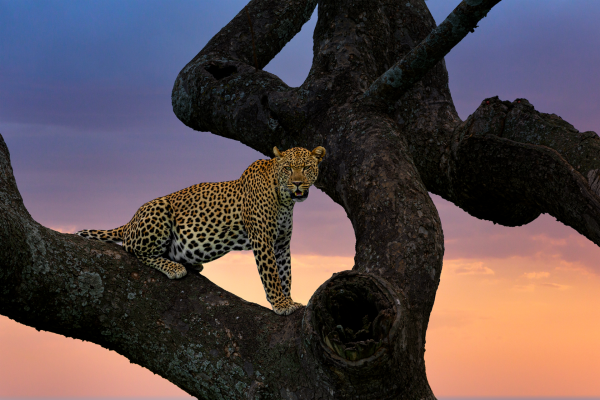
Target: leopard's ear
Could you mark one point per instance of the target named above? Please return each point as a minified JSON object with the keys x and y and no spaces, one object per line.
{"x":277,"y":153}
{"x":318,"y":153}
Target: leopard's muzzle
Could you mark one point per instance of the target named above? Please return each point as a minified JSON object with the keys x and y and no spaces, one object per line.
{"x":298,"y":191}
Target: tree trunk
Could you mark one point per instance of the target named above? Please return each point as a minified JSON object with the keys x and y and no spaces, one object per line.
{"x":377,"y":99}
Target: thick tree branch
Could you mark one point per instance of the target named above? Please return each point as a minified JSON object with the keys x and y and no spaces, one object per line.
{"x":511,"y":183}
{"x":508,"y":163}
{"x":390,"y":86}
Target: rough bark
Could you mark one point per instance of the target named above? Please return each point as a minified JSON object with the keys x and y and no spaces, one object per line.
{"x":362,"y":335}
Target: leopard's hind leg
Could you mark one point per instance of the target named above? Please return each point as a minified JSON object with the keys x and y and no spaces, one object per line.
{"x":148,"y":236}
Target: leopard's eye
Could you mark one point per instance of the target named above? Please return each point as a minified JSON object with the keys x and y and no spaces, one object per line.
{"x":288,"y":169}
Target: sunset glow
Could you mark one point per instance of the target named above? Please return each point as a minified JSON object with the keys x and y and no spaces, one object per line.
{"x":514,"y":326}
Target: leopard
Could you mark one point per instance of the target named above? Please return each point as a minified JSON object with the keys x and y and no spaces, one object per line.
{"x":203,"y":222}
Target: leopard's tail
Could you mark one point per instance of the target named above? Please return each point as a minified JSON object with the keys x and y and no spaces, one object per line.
{"x":111,"y":235}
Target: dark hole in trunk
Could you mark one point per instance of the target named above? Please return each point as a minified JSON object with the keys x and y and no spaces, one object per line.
{"x":221,"y":72}
{"x":355,"y":318}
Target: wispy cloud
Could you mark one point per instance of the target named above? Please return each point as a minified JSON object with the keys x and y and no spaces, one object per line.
{"x":574,"y":267}
{"x":476,"y":268}
{"x":536,"y":275}
{"x":555,"y":286}
{"x":524,"y":288}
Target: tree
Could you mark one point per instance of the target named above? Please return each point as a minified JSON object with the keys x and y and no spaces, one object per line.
{"x":381,"y":107}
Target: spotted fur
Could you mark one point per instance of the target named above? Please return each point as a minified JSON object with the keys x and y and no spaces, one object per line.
{"x":206,"y":221}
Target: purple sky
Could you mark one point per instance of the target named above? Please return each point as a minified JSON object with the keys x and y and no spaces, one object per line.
{"x":86,"y":112}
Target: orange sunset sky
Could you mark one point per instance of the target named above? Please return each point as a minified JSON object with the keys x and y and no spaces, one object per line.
{"x":85,"y":111}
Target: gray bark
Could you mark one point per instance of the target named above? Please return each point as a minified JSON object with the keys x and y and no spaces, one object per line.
{"x":362,"y":335}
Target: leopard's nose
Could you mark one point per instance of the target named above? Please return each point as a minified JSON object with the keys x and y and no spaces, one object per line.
{"x":297,"y":184}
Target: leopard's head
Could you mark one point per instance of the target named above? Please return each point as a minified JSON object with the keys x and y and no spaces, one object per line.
{"x":296,"y":170}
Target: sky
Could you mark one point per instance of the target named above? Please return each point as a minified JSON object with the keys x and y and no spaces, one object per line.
{"x":85,"y":110}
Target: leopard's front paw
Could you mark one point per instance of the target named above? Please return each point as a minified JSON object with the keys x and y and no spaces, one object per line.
{"x":176,"y":273}
{"x":286,"y":307}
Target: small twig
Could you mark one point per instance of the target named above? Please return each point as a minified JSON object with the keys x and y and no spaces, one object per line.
{"x":252,"y":33}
